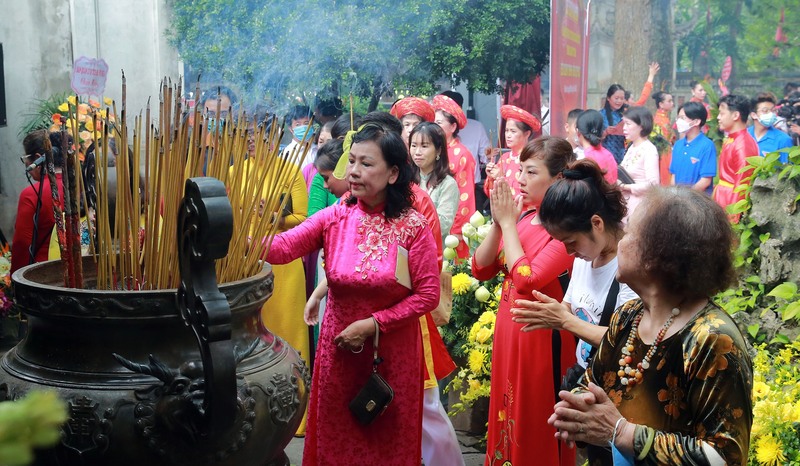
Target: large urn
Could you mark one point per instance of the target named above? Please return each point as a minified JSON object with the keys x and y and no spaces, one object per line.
{"x":168,"y":377}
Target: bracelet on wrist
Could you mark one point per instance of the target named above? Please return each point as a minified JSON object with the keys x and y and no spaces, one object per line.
{"x":613,"y":440}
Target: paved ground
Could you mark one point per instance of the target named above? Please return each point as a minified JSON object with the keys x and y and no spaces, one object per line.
{"x":472,"y":456}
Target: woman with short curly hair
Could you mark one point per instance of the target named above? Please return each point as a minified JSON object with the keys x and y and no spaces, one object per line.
{"x":671,"y":381}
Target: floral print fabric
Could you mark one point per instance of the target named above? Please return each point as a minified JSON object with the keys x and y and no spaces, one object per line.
{"x":697,"y":389}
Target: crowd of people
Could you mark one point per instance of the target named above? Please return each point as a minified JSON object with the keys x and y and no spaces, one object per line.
{"x":606,"y":334}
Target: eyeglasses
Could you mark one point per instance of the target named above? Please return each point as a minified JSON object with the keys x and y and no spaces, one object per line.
{"x":27,"y":159}
{"x":213,"y":114}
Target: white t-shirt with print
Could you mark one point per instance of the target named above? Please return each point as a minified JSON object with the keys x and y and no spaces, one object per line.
{"x":587,"y":294}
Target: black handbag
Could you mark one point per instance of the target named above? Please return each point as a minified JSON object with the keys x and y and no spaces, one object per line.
{"x":376,"y":395}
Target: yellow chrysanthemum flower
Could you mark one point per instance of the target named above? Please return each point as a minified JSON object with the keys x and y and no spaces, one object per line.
{"x":769,"y":451}
{"x":524,"y":270}
{"x":71,"y":99}
{"x":63,"y":107}
{"x":473,"y":332}
{"x":477,"y":361}
{"x":487,"y":318}
{"x":796,"y":412}
{"x":483,"y":335}
{"x":760,"y":390}
{"x":461,"y":283}
{"x":108,"y":101}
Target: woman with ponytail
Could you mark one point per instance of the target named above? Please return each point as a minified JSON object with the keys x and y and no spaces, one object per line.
{"x":589,"y":127}
{"x":584,"y":212}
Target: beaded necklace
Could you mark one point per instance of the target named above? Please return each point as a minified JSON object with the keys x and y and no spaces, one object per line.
{"x":629,"y":376}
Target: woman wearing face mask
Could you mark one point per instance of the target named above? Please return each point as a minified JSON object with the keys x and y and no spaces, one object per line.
{"x":526,"y":367}
{"x":641,"y":159}
{"x":694,"y":156}
{"x":589,"y":127}
{"x":520,"y":127}
{"x":612,"y":121}
{"x":35,"y":219}
{"x":769,"y":138}
{"x":431,"y":167}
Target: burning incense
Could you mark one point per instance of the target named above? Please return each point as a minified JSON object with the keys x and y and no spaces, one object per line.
{"x":137,"y":247}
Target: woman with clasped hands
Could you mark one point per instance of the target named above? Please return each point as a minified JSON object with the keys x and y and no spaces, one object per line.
{"x":671,"y":382}
{"x":378,"y":253}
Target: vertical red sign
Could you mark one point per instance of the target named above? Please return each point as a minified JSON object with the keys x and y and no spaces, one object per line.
{"x":569,"y":52}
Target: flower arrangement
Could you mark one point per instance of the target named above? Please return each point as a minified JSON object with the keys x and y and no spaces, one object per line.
{"x":474,"y":379}
{"x":470,"y":332}
{"x":6,"y":300}
{"x":775,"y":436}
{"x":87,"y":117}
{"x":62,"y":109}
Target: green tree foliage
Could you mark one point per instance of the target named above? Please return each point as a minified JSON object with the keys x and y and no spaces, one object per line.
{"x":481,"y":41}
{"x":272,"y":50}
{"x":759,"y":49}
{"x":743,"y":29}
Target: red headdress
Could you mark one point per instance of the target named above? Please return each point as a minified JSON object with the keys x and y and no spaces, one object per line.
{"x":511,"y":112}
{"x":446,"y":104}
{"x":415,"y":106}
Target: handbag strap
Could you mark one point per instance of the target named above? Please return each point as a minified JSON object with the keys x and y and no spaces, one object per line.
{"x":375,"y":358}
{"x":611,"y":304}
{"x":608,"y":310}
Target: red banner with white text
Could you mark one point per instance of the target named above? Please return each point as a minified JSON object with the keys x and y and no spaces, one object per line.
{"x":569,"y":60}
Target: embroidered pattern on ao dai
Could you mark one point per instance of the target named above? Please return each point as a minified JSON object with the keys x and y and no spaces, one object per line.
{"x":361,"y":248}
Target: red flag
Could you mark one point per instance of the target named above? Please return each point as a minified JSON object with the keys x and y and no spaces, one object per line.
{"x":727,"y":68}
{"x":779,"y":34}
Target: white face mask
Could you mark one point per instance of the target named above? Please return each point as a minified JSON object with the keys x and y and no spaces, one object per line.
{"x":682,"y":125}
{"x":767,"y":119}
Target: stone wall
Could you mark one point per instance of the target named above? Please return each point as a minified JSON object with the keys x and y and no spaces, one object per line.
{"x":775,"y":210}
{"x":41,"y":39}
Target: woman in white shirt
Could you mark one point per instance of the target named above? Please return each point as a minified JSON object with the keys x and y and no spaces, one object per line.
{"x":428,"y":150}
{"x":641,"y":159}
{"x":585,"y":212}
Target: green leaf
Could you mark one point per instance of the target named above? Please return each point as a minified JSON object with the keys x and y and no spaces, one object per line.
{"x":754,"y":279}
{"x":753,"y":330}
{"x":780,"y":338}
{"x":785,"y":290}
{"x":741,"y":206}
{"x":755,"y":161}
{"x":791,"y":311}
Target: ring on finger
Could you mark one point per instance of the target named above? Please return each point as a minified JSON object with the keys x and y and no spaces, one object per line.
{"x":360,"y":349}
{"x":580,"y":429}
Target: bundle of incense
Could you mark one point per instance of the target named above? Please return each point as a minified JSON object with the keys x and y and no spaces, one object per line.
{"x":136,"y":243}
{"x":499,"y":141}
{"x":57,"y":211}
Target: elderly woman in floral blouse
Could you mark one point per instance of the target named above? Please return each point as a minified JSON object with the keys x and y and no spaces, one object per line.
{"x":671,"y":382}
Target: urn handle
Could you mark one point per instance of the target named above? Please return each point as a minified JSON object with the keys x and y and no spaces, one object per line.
{"x":205,"y":227}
